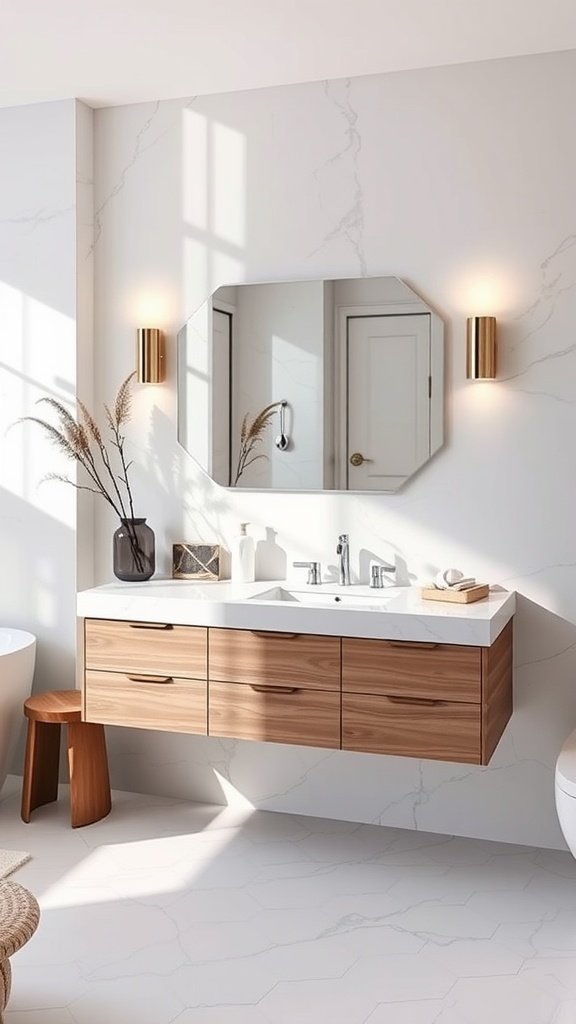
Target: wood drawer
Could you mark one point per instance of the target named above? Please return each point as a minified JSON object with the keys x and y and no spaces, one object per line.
{"x":116,"y":698}
{"x":399,"y":668}
{"x":146,"y":647}
{"x":443,"y":730}
{"x":302,"y":716}
{"x":284,"y":659}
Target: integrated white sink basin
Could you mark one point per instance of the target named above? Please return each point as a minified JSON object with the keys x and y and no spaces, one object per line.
{"x":377,"y":601}
{"x":294,"y":607}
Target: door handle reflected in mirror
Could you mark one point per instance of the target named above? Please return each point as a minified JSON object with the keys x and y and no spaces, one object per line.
{"x":357,"y":459}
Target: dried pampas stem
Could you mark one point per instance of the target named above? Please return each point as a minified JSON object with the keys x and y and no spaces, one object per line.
{"x":81,"y":440}
{"x":250,"y":435}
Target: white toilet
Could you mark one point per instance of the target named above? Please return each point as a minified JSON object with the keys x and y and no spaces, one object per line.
{"x":565,"y":791}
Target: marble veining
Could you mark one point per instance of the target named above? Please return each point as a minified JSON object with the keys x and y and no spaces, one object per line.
{"x":175,"y":913}
{"x":351,"y":224}
{"x":497,"y":501}
{"x":37,"y":218}
{"x":552,"y":286}
{"x":138,"y":149}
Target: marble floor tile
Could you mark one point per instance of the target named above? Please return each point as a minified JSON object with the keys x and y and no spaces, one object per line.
{"x":501,"y":1000}
{"x":428,"y":1011}
{"x":473,"y":958}
{"x":224,"y":1015}
{"x":566,"y":1013}
{"x":59,"y":1016}
{"x":169,"y":912}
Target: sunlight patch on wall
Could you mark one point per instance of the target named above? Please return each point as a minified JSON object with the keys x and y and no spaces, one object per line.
{"x":213,"y":206}
{"x":195,"y":156}
{"x":233,"y":797}
{"x":228,"y":216}
{"x":35,"y":362}
{"x":196,"y":273}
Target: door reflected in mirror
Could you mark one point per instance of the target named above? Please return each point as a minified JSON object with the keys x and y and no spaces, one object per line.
{"x":312,"y":385}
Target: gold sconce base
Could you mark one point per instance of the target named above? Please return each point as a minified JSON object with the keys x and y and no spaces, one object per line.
{"x":150,"y":355}
{"x":481,"y":348}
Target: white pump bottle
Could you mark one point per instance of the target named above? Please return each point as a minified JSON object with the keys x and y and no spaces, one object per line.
{"x":243,"y":557}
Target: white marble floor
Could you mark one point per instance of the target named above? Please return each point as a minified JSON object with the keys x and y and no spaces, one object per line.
{"x":172,"y":913}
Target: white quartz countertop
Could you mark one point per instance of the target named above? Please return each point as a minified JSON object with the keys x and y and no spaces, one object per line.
{"x":395,"y":613}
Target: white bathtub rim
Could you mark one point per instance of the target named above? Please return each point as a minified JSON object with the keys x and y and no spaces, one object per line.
{"x":18,"y":640}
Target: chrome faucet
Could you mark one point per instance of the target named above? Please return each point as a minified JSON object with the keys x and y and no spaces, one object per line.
{"x":343,"y":551}
{"x":314,"y":571}
{"x":378,"y":574}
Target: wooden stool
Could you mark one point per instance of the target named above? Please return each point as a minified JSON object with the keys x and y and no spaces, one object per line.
{"x":87,"y":762}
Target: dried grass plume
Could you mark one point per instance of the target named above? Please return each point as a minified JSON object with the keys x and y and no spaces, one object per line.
{"x":251,"y":433}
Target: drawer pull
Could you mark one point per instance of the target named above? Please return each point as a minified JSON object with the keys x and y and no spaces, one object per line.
{"x":264,"y":633}
{"x":424,"y":701}
{"x":150,"y":625}
{"x":412,"y":646}
{"x":151,"y":679}
{"x":269,"y":688}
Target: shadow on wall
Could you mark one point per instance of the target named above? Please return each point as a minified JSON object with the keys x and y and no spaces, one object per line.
{"x":271,"y":558}
{"x":194,"y":499}
{"x":544,"y":680}
{"x":182,"y":766}
{"x":172,"y":490}
{"x":36,"y":587}
{"x":400,"y":578}
{"x":41,"y":592}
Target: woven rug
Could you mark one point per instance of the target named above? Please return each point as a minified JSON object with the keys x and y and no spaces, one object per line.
{"x":11,"y":860}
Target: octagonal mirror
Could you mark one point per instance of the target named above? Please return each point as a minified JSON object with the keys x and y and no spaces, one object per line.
{"x":312,"y":385}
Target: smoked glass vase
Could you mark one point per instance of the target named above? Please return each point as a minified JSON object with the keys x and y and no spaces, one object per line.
{"x":134,"y":551}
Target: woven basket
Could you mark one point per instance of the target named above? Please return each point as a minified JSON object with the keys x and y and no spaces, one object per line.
{"x":19,"y":916}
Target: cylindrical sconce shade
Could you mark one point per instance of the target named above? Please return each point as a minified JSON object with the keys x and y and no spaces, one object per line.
{"x":481,"y":347}
{"x":150,"y":355}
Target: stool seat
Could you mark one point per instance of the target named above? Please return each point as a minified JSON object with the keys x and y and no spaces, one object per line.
{"x":90,"y":798}
{"x":56,"y":706}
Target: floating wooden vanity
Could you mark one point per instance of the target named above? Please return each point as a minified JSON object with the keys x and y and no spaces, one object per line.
{"x":416,"y":699}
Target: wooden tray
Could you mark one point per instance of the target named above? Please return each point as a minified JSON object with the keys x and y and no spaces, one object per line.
{"x":476,"y":593}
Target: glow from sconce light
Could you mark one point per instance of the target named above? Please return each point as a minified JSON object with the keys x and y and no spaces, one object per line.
{"x":486,"y":291}
{"x":481,"y":348}
{"x":153,"y":303}
{"x":150,"y":348}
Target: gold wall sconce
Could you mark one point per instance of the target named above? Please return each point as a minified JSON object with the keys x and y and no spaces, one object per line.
{"x":481,"y":348}
{"x":150,"y":352}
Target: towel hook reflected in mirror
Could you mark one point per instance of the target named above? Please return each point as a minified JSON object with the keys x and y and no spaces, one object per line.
{"x":282,"y":441}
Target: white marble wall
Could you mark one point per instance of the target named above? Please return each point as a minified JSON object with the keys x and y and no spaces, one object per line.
{"x":37,"y":360}
{"x":461,"y":181}
{"x":84,"y":132}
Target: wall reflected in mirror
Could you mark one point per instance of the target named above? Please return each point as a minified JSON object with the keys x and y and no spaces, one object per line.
{"x":312,"y":385}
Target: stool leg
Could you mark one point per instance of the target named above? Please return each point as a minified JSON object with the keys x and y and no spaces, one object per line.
{"x":40,"y":783}
{"x":89,"y":781}
{"x":5,"y":985}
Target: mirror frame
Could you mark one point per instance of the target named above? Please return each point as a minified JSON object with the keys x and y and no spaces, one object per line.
{"x":406,"y":302}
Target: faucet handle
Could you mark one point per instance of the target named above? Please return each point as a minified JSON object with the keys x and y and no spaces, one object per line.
{"x":314,"y":571}
{"x":377,"y":574}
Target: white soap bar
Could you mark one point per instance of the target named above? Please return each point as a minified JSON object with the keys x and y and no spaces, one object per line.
{"x":448,"y":578}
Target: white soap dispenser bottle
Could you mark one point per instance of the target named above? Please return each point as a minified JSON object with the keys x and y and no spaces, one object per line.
{"x":243,"y":557}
